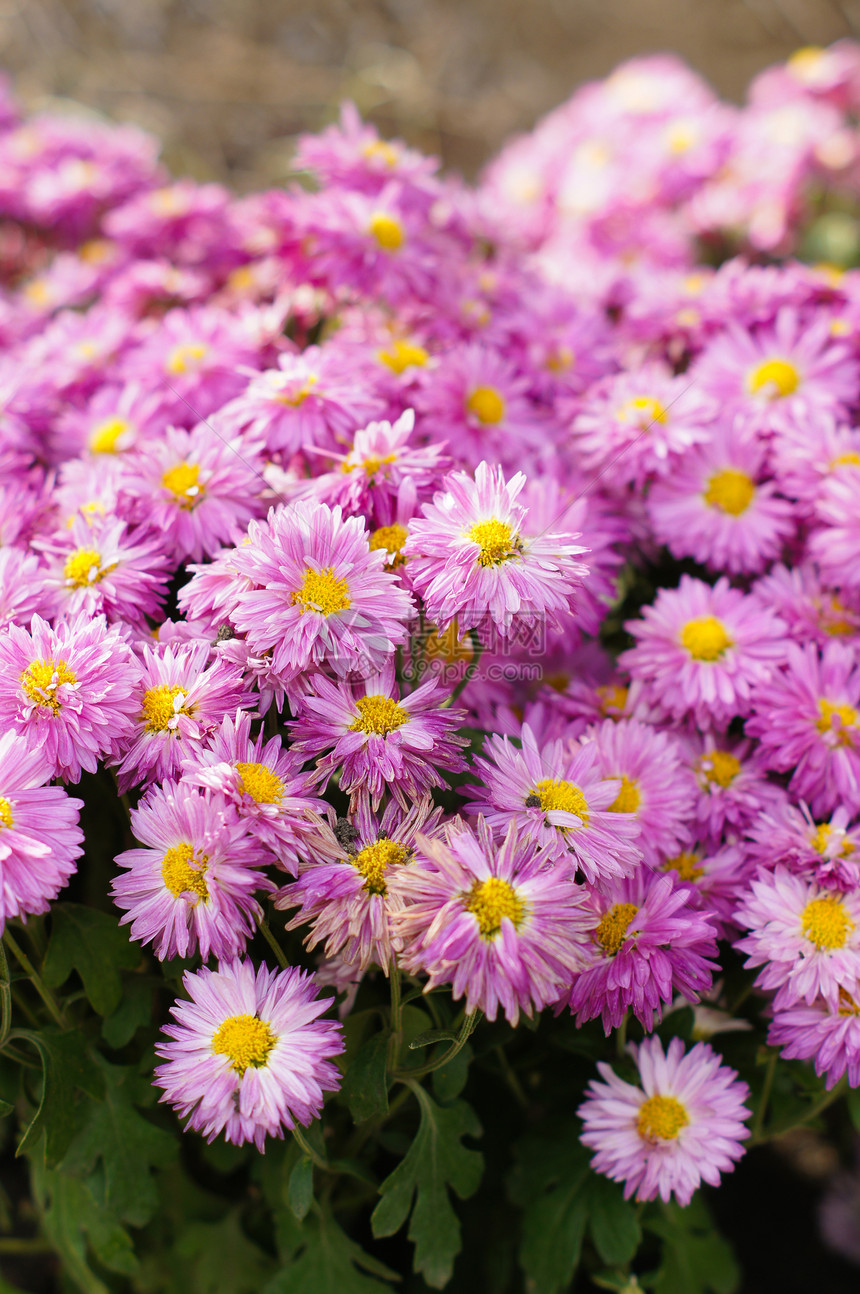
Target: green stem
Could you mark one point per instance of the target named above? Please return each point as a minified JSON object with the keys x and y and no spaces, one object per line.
{"x":5,"y":998}
{"x":396,"y":1038}
{"x":265,"y":931}
{"x":761,"y":1109}
{"x":308,"y":1150}
{"x":511,"y":1079}
{"x":812,"y":1113}
{"x":477,"y":649}
{"x":24,"y":1245}
{"x":466,"y":1030}
{"x":621,"y":1036}
{"x":36,"y":980}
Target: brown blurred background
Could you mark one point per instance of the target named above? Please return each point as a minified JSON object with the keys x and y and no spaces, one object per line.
{"x":226,"y":84}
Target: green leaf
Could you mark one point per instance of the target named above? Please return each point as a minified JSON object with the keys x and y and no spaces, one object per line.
{"x":550,"y":1181}
{"x":326,"y":1263}
{"x":450,"y":1079}
{"x":128,"y":1146}
{"x":66,"y":1068}
{"x":6,"y":1107}
{"x":218,"y":1258}
{"x":695,"y":1258}
{"x":429,"y":1036}
{"x":365,"y":1087}
{"x":70,"y":1216}
{"x":96,"y":946}
{"x":301,"y":1188}
{"x":133,"y":1012}
{"x":435,"y":1161}
{"x":612,"y":1221}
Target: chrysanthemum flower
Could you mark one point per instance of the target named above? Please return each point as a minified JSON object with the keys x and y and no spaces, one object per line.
{"x":556,"y":796}
{"x":263,"y":782}
{"x":805,"y":936}
{"x":320,"y":594}
{"x":834,"y":544}
{"x":473,"y":557}
{"x":826,"y":1031}
{"x":732,"y":786}
{"x":101,"y":566}
{"x":68,"y":691}
{"x":828,"y":852}
{"x":40,"y":840}
{"x":24,"y":591}
{"x":379,"y":739}
{"x":703,"y":651}
{"x":811,"y":610}
{"x":191,"y":888}
{"x":716,"y":879}
{"x":248,"y":1055}
{"x":648,"y":942}
{"x":496,"y":921}
{"x":683,"y":1126}
{"x":351,"y":888}
{"x":807,"y":719}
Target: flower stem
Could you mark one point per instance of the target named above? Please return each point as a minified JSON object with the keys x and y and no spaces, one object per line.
{"x":396,"y":1038}
{"x":307,"y":1149}
{"x":761,"y":1108}
{"x":265,"y":931}
{"x":35,"y":979}
{"x":466,"y":1030}
{"x":813,"y":1112}
{"x":5,"y":998}
{"x":470,"y":669}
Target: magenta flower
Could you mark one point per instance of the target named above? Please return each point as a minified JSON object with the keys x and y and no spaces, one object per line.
{"x":24,"y":590}
{"x":828,"y":852}
{"x":733,"y":790}
{"x":826,"y":1031}
{"x":682,"y":1126}
{"x":100,"y":566}
{"x":248,"y":1054}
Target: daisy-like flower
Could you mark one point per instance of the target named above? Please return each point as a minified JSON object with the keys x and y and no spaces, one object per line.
{"x":68,"y":691}
{"x":826,"y":1031}
{"x":247,"y":1055}
{"x":703,"y":651}
{"x":682,"y":1126}
{"x":23,"y":589}
{"x":263,"y":782}
{"x":496,"y":921}
{"x":655,"y":785}
{"x":473,"y":557}
{"x":377,"y":738}
{"x":191,"y":887}
{"x":812,"y":611}
{"x":807,"y":719}
{"x":716,"y":879}
{"x":40,"y":840}
{"x":834,"y":544}
{"x":732,"y":786}
{"x":179,"y":702}
{"x":352,"y":887}
{"x":555,"y":795}
{"x":319,"y":594}
{"x":828,"y":852}
{"x":648,"y":942}
{"x":716,"y":508}
{"x":805,"y":936}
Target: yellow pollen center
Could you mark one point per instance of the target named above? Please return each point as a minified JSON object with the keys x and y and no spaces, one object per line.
{"x":661,"y":1118}
{"x":378,"y":714}
{"x":487,"y":405}
{"x":849,"y":459}
{"x":258,"y":781}
{"x":730,"y":491}
{"x":686,"y":864}
{"x":403,"y":355}
{"x":448,"y":646}
{"x":6,"y":818}
{"x":387,"y":231}
{"x":611,"y":699}
{"x":720,"y":767}
{"x":847,"y":1004}
{"x":183,"y":358}
{"x":380,"y":148}
{"x":611,"y":931}
{"x":825,"y":922}
{"x":183,"y":482}
{"x":642,"y":410}
{"x":492,"y":900}
{"x":628,"y":798}
{"x":159,"y":707}
{"x":83,"y":568}
{"x":105,"y":435}
{"x":705,"y":638}
{"x":297,"y":397}
{"x":183,"y":872}
{"x":322,"y":592}
{"x":847,"y":719}
{"x":245,"y":1040}
{"x":371,"y":466}
{"x":774,"y":378}
{"x":391,"y":539}
{"x":556,"y":794}
{"x":42,"y":678}
{"x":374,"y":861}
{"x":496,"y":541}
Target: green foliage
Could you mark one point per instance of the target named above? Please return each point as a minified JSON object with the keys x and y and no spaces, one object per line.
{"x":96,"y":946}
{"x":325,"y":1261}
{"x":695,"y":1257}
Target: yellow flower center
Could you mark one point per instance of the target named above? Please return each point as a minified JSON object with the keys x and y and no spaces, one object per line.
{"x":849,"y":459}
{"x":448,"y":645}
{"x":730,"y":491}
{"x":847,"y":717}
{"x":487,"y":405}
{"x":661,"y":1118}
{"x":183,"y":482}
{"x":258,"y":781}
{"x":378,"y":714}
{"x":391,"y":539}
{"x":720,"y":767}
{"x":370,"y":466}
{"x":374,"y":861}
{"x":83,"y":568}
{"x":387,"y":231}
{"x":841,"y":625}
{"x":628,"y":798}
{"x":642,"y":410}
{"x":611,"y":700}
{"x":686,"y":864}
{"x":821,"y":841}
{"x":825,"y":922}
{"x":556,"y":794}
{"x":611,"y":931}
{"x":491,"y":901}
{"x":6,"y":818}
{"x":105,"y":435}
{"x":245,"y":1040}
{"x":403,"y":355}
{"x":496,"y":541}
{"x":380,"y":148}
{"x":297,"y":397}
{"x":847,"y":1004}
{"x":159,"y":706}
{"x":184,"y":873}
{"x":774,"y":378}
{"x":560,"y":359}
{"x":188,"y":356}
{"x":322,"y":592}
{"x":42,"y":678}
{"x":705,"y":638}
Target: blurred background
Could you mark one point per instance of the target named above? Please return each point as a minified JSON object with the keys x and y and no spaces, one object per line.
{"x":227,"y":84}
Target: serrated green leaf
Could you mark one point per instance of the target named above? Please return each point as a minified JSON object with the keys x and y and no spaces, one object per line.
{"x":219,"y":1258}
{"x":133,"y":1012}
{"x":435,"y":1161}
{"x":128,"y":1146}
{"x":550,"y":1181}
{"x":301,"y":1188}
{"x":67,"y":1068}
{"x":365,"y":1087}
{"x":695,"y":1257}
{"x":612,"y":1221}
{"x":95,"y":945}
{"x":70,"y":1217}
{"x":326,"y":1263}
